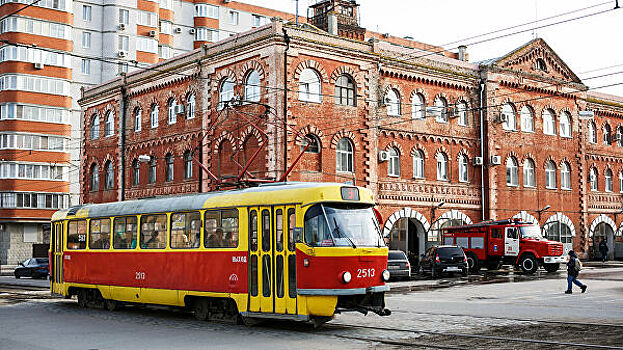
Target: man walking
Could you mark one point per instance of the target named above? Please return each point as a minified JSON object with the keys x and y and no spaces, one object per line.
{"x":573,"y":270}
{"x":603,"y":249}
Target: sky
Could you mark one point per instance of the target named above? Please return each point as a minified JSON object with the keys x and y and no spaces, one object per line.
{"x":590,"y":46}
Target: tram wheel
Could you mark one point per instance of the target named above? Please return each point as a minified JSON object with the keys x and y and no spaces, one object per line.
{"x":111,"y":305}
{"x":82,"y":298}
{"x":318,"y":321}
{"x":201,"y":309}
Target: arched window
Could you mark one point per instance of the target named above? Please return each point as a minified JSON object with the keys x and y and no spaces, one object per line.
{"x":441,"y":106}
{"x":109,"y":178}
{"x":527,"y":119}
{"x":418,"y":164}
{"x":592,"y":132}
{"x":565,"y":124}
{"x":549,"y":123}
{"x":345,"y":91}
{"x":153,"y":116}
{"x":463,"y":168}
{"x":508,"y":113}
{"x":442,"y":166}
{"x":188,"y":165}
{"x":171,"y":115}
{"x":529,"y":179}
{"x":393,"y":165}
{"x":95,"y":178}
{"x":607,"y":136}
{"x":136,"y":172}
{"x":152,"y":170}
{"x":252,"y":87}
{"x":170,"y":169}
{"x":392,"y":101}
{"x":94,"y":128}
{"x":417,"y":107}
{"x":109,"y":124}
{"x":592,"y":178}
{"x":618,"y":136}
{"x":461,"y":108}
{"x":608,"y":182}
{"x":512,"y":172}
{"x":314,"y":144}
{"x":309,"y":86}
{"x":190,"y":106}
{"x":550,"y":175}
{"x":225,"y":92}
{"x":137,"y":119}
{"x":540,"y":65}
{"x":344,"y":155}
{"x":565,"y":176}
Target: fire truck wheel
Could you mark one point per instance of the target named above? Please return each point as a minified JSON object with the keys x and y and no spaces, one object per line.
{"x":551,"y":267}
{"x":528,"y":264}
{"x":472,"y":262}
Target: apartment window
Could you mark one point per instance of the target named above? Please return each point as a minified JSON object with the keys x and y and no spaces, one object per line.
{"x":392,"y":101}
{"x":164,"y":51}
{"x":511,"y":172}
{"x":206,"y":34}
{"x":550,"y":175}
{"x":417,"y":107}
{"x":565,"y":176}
{"x":259,"y":20}
{"x":35,"y":84}
{"x":345,"y":91}
{"x":393,"y":165}
{"x":461,"y":108}
{"x":87,"y":13}
{"x":170,"y":167}
{"x":34,"y":55}
{"x":30,"y":171}
{"x":234,"y":18}
{"x":565,"y":124}
{"x":344,"y":155}
{"x":146,"y":44}
{"x":592,"y":177}
{"x":608,"y":182}
{"x":527,"y":119}
{"x":95,"y":178}
{"x":86,"y":40}
{"x":34,"y":201}
{"x":529,"y":179}
{"x":122,"y":67}
{"x":86,"y":66}
{"x":124,"y":16}
{"x":309,"y":86}
{"x":137,"y":119}
{"x":166,"y":27}
{"x":109,"y":179}
{"x":109,"y":124}
{"x":226,"y":92}
{"x":252,"y":87}
{"x":172,"y":116}
{"x":154,"y":116}
{"x":607,"y":136}
{"x":165,"y":4}
{"x":94,"y":128}
{"x":508,"y":112}
{"x":205,"y":10}
{"x":124,"y":43}
{"x":592,"y":133}
{"x":190,"y":107}
{"x":188,"y":165}
{"x":549,"y":123}
{"x":442,"y":167}
{"x":442,"y":109}
{"x":463,"y":175}
{"x":148,"y":19}
{"x":418,"y":164}
{"x":136,"y":172}
{"x":152,"y":170}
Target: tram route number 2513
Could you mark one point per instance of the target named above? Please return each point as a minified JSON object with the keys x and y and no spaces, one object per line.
{"x":364,"y":273}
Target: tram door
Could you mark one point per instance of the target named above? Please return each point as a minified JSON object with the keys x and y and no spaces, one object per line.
{"x":270,"y":286}
{"x":56,"y":256}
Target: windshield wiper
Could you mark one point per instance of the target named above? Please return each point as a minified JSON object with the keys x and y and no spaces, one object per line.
{"x":337,"y":229}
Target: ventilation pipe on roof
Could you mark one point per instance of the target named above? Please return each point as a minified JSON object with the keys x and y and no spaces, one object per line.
{"x":463,"y":53}
{"x":332,"y":23}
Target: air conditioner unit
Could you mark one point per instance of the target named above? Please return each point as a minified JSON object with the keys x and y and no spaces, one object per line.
{"x":383,"y":156}
{"x":178,"y":30}
{"x":192,"y":31}
{"x":39,"y":65}
{"x":477,"y":160}
{"x":496,"y":160}
{"x":152,"y":33}
{"x":179,"y":109}
{"x":121,"y":26}
{"x":122,"y":53}
{"x":502,"y":118}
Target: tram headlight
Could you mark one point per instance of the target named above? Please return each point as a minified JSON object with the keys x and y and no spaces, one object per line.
{"x":346,"y":277}
{"x":385,"y":275}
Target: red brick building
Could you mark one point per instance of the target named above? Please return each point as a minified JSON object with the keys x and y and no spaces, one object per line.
{"x":438,"y":139}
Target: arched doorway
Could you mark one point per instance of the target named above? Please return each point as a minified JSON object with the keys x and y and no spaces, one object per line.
{"x":602,"y":228}
{"x":406,"y":230}
{"x":559,"y":227}
{"x":447,"y":219}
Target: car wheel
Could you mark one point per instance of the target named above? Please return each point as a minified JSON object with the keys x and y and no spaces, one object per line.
{"x":17,"y":275}
{"x":473,"y":265}
{"x":528,"y":264}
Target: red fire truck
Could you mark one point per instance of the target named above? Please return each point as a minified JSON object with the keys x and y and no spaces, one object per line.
{"x":511,"y":242}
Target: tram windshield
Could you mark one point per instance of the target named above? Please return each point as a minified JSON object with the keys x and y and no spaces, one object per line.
{"x":532,"y":232}
{"x":342,"y":225}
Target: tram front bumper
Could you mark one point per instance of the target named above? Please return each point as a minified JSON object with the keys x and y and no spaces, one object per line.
{"x":364,"y":303}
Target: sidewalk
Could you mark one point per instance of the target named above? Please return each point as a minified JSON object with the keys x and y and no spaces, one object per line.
{"x":7,"y":270}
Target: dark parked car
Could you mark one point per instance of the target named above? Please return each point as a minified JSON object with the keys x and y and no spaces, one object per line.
{"x":35,"y":268}
{"x":444,"y":259}
{"x":398,"y":265}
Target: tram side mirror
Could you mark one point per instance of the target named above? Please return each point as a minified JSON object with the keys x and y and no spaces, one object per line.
{"x":298,"y":234}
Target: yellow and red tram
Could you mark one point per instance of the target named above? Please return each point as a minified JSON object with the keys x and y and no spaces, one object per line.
{"x":300,"y":251}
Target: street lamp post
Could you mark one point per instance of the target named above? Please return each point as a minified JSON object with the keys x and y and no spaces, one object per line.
{"x":542,"y":210}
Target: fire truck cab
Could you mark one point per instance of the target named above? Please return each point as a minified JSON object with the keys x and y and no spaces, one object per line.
{"x":510,"y":242}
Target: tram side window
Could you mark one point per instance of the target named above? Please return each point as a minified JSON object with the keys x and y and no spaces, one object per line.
{"x":154,"y":231}
{"x":265,"y":230}
{"x":125,"y":233}
{"x":221,"y":228}
{"x":279,"y":230}
{"x":99,"y":234}
{"x":291,"y":224}
{"x":253,"y":230}
{"x":186,"y":230}
{"x":77,"y":234}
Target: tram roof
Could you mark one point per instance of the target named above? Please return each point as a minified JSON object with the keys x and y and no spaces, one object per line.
{"x":228,"y":198}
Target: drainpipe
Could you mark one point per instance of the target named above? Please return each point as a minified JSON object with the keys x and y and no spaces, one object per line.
{"x":285,"y":101}
{"x":485,"y":163}
{"x":122,"y":118}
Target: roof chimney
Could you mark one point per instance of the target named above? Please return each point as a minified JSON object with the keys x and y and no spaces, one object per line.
{"x":463,"y":53}
{"x":332,"y":23}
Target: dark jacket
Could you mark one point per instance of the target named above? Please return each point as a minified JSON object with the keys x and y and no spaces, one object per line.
{"x":603,"y":247}
{"x":571,"y":266}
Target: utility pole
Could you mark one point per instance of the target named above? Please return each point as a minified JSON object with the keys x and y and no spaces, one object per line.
{"x":297,"y":14}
